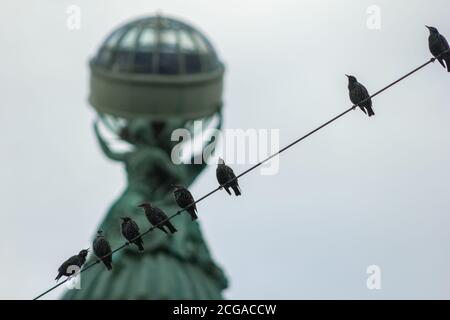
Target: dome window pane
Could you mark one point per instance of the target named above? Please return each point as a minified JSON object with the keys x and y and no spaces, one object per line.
{"x":129,"y":40}
{"x":202,"y":46}
{"x":168,"y":41}
{"x":186,"y":42}
{"x":104,"y":57}
{"x":193,"y":63}
{"x":123,"y":60}
{"x":147,"y":39}
{"x":168,"y":63}
{"x":111,"y":42}
{"x":143,"y":62}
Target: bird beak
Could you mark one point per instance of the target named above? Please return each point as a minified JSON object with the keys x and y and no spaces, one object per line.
{"x":427,"y":27}
{"x":141,"y":205}
{"x":347,"y":76}
{"x":122,"y":218}
{"x":87,"y":249}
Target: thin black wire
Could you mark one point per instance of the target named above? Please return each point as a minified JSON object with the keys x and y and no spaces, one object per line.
{"x":245,"y":172}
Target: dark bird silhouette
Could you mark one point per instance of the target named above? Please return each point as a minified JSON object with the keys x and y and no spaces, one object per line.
{"x":155,"y":216}
{"x":76,"y":260}
{"x":438,"y":44}
{"x":359,"y":93}
{"x":184,"y":198}
{"x":102,"y":249}
{"x":130,"y":230}
{"x":224,"y":174}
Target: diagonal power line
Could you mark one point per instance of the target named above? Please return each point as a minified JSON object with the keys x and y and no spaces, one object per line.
{"x":431,"y":60}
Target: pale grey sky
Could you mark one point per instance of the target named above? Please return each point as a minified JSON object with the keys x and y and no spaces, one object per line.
{"x":361,"y":192}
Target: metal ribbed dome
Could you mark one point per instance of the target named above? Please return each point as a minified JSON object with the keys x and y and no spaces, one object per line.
{"x":157,"y":45}
{"x":159,"y":68}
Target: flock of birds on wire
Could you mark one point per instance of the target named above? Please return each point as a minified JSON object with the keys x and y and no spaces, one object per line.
{"x":359,"y":96}
{"x":156,"y":217}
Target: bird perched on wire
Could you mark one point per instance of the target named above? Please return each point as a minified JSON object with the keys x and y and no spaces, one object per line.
{"x":359,"y":96}
{"x":156,"y":216}
{"x":227,"y":178}
{"x":130,"y":230}
{"x":102,"y":249}
{"x":70,"y":265}
{"x":184,"y":198}
{"x":438,"y":44}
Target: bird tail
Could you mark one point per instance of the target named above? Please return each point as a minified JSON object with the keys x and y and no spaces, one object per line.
{"x":191,"y":211}
{"x":363,"y":110}
{"x":227,"y":189}
{"x":370,"y":111}
{"x":162,"y":229}
{"x":237,"y":190}
{"x":58,"y":276}
{"x":172,"y":229}
{"x":139,"y":244}
{"x":108,"y":264}
{"x":447,"y":62}
{"x":441,"y":61}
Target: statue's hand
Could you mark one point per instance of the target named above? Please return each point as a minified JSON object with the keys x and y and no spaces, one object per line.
{"x":105,"y":147}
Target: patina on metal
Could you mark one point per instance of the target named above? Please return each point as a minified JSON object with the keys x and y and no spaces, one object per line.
{"x":150,"y":77}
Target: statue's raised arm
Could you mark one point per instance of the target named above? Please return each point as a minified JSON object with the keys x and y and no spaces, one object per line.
{"x":116,"y":156}
{"x":144,"y":87}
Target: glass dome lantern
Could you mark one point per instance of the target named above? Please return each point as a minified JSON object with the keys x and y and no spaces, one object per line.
{"x":159,"y":68}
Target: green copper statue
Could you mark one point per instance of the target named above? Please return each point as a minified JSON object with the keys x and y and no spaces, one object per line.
{"x":150,"y":77}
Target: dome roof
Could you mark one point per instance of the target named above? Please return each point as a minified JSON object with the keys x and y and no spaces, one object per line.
{"x":157,"y":45}
{"x":159,"y":68}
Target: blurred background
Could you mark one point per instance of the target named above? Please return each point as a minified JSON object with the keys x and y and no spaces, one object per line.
{"x":361,"y":192}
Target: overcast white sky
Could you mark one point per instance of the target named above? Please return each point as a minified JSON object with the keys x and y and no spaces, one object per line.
{"x":361,"y":192}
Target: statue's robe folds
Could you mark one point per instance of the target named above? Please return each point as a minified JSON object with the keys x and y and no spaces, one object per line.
{"x":177,"y":266}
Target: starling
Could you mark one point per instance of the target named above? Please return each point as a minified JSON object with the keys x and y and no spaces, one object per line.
{"x":184,"y":198}
{"x":438,"y":44}
{"x":155,"y":216}
{"x":77,"y":260}
{"x":130,"y":230}
{"x":102,"y":249}
{"x":224,"y":176}
{"x":359,"y":93}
